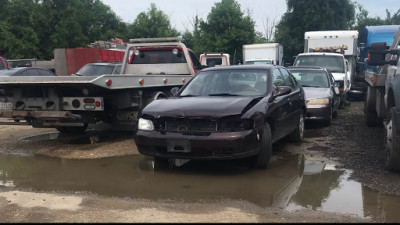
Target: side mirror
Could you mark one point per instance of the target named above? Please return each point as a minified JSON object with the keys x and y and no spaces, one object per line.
{"x":336,"y":86}
{"x":377,"y":53}
{"x":174,"y":91}
{"x":279,"y":91}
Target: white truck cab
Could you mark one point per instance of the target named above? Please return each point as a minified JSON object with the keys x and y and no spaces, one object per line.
{"x":215,"y":59}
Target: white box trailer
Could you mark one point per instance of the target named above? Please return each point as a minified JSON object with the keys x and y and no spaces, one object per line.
{"x":319,"y":39}
{"x":339,"y":38}
{"x":270,"y":53}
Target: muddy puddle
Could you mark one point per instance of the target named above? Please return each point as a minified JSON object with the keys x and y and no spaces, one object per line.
{"x":292,"y":182}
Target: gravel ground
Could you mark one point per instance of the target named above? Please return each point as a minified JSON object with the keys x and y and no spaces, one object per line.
{"x":361,"y":149}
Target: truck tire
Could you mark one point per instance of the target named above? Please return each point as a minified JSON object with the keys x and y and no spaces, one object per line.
{"x":371,"y":117}
{"x":298,"y":133}
{"x":392,"y":162}
{"x":262,"y":160}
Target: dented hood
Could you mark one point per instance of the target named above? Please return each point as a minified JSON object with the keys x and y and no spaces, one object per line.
{"x":212,"y":107}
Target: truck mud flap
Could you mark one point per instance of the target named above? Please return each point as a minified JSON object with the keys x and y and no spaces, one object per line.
{"x":40,"y":115}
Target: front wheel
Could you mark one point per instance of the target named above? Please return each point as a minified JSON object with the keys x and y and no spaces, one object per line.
{"x":298,"y":134}
{"x":392,"y":162}
{"x":262,"y":160}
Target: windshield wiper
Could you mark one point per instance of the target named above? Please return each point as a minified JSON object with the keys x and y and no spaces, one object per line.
{"x":189,"y":95}
{"x":223,"y":94}
{"x":304,"y":85}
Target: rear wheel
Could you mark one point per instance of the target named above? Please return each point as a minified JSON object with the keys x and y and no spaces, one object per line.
{"x":298,"y":134}
{"x":262,"y":160}
{"x":392,"y":161}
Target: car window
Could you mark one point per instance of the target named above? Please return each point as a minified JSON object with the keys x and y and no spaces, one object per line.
{"x":28,"y":72}
{"x":158,"y":57}
{"x":213,"y":62}
{"x":45,"y":73}
{"x":311,"y":78}
{"x":258,"y":62}
{"x":332,"y":79}
{"x":288,"y":79}
{"x":227,"y":83}
{"x":95,"y":70}
{"x":117,"y":69}
{"x":278,"y":79}
{"x":332,"y":63}
{"x":195,"y":61}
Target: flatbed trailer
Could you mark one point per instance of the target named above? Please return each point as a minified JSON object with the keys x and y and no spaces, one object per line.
{"x":70,"y":103}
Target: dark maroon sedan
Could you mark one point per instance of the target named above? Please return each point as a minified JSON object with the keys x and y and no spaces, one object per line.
{"x":225,"y":113}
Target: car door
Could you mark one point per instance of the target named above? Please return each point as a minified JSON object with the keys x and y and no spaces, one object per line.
{"x":335,"y":91}
{"x":295,"y":99}
{"x":280,"y":109}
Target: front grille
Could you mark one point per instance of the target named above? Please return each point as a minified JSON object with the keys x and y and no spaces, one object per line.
{"x":187,"y":126}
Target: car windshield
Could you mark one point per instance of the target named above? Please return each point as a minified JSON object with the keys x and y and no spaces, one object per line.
{"x":311,"y":78}
{"x":250,"y":62}
{"x":332,"y":63}
{"x":95,"y":70}
{"x":158,"y":57}
{"x":227,"y":83}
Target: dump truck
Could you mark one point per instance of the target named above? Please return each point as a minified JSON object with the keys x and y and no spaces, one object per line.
{"x":382,"y":103}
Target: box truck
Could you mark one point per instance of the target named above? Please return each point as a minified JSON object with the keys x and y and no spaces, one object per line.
{"x":270,"y":53}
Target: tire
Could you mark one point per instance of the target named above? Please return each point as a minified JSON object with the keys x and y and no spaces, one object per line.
{"x":298,"y":134}
{"x":327,"y":122}
{"x":72,"y":130}
{"x":392,"y":162}
{"x":334,"y":114}
{"x":371,"y":119}
{"x":262,"y":160}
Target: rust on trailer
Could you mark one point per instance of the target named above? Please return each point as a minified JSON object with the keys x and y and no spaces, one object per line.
{"x":39,"y":114}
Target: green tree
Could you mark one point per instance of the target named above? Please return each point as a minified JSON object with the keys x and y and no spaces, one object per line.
{"x":151,"y":24}
{"x":227,"y":29}
{"x":76,"y":23}
{"x":34,"y":28}
{"x":18,"y":36}
{"x":311,"y":15}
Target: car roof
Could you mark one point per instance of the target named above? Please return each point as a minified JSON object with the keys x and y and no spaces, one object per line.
{"x":105,"y":63}
{"x":12,"y":71}
{"x":321,"y":53}
{"x":306,"y":68}
{"x":244,"y":67}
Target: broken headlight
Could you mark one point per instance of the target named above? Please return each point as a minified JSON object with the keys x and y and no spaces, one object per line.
{"x":233,"y":124}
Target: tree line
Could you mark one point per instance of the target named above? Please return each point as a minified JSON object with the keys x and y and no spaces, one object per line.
{"x":34,"y":28}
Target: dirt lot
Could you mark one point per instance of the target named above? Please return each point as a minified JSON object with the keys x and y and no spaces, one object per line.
{"x":350,"y":143}
{"x":361,"y":149}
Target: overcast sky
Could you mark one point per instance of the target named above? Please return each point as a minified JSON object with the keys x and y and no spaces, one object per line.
{"x":182,"y":12}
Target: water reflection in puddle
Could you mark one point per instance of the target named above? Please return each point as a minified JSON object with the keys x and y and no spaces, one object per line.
{"x":291,"y":183}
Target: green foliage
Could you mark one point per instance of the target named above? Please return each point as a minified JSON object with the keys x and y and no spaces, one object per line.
{"x":151,"y":24}
{"x":34,"y":28}
{"x":311,"y":15}
{"x":227,"y":29}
